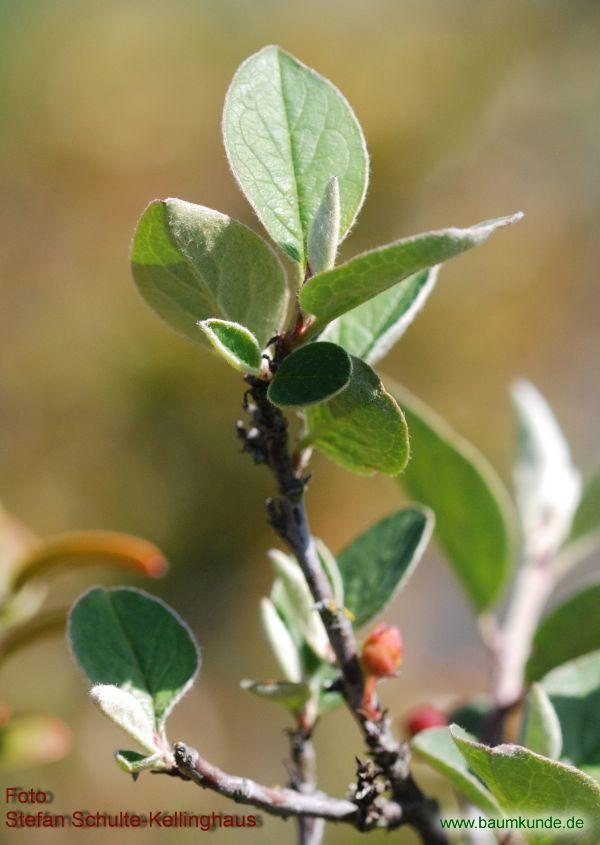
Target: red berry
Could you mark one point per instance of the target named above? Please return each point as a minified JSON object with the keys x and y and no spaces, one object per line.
{"x":382,"y":652}
{"x":422,"y":717}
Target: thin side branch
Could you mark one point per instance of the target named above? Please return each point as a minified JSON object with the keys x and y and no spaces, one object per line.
{"x":280,"y":802}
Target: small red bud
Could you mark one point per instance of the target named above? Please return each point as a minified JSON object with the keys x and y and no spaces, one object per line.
{"x":422,"y":717}
{"x":382,"y":652}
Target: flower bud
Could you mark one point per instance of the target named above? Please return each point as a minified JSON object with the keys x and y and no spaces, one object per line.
{"x":422,"y":717}
{"x":382,"y":652}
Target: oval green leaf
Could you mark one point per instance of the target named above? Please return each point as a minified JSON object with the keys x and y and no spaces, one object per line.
{"x":191,"y":263}
{"x":291,"y":696}
{"x":436,"y":747}
{"x":527,"y":783}
{"x":473,"y":513}
{"x":568,"y":631}
{"x":540,"y":730}
{"x":362,"y":428}
{"x":235,"y":343}
{"x":311,"y":374}
{"x":287,"y":131}
{"x":127,"y":638}
{"x":574,"y":691}
{"x":378,"y":563}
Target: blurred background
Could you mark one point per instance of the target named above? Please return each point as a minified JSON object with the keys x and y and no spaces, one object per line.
{"x":107,"y":420}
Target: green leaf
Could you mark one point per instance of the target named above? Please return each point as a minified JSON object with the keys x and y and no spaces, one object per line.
{"x":324,"y":234}
{"x":281,"y":641}
{"x":568,"y":631}
{"x":370,"y":331}
{"x":191,"y":263}
{"x":547,"y":485}
{"x":540,"y":730}
{"x":134,"y":763}
{"x":378,"y":563}
{"x":332,"y":570}
{"x":526,"y":783}
{"x":584,"y":536}
{"x":362,"y":428}
{"x":436,"y":747}
{"x":292,"y":696}
{"x":134,"y":641}
{"x":329,"y":295}
{"x":287,"y":131}
{"x":311,"y":374}
{"x":574,"y":690}
{"x":299,"y":603}
{"x":126,"y":711}
{"x":234,"y":343}
{"x":473,"y":514}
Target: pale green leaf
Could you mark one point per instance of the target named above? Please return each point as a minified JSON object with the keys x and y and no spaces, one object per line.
{"x":300,"y":603}
{"x":527,"y":783}
{"x":281,"y":641}
{"x":292,"y":696}
{"x":134,"y":641}
{"x":378,"y":563}
{"x":540,"y":731}
{"x":436,"y":747}
{"x":191,"y":263}
{"x":473,"y":514}
{"x":547,"y":485}
{"x":134,"y":763}
{"x":566,"y":632}
{"x":574,"y":690}
{"x":362,"y":428}
{"x":370,"y":331}
{"x":332,"y":570}
{"x":287,"y":131}
{"x":330,"y":294}
{"x":311,"y":374}
{"x":324,"y":234}
{"x":235,"y":343}
{"x":126,"y":711}
{"x":584,"y":536}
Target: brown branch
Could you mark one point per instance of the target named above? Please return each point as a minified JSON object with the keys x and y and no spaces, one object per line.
{"x":276,"y":801}
{"x":267,"y":441}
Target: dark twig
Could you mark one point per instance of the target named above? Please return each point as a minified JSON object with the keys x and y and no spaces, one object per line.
{"x":268,"y":437}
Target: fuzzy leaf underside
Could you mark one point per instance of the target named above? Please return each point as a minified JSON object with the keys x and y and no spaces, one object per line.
{"x":191,"y":263}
